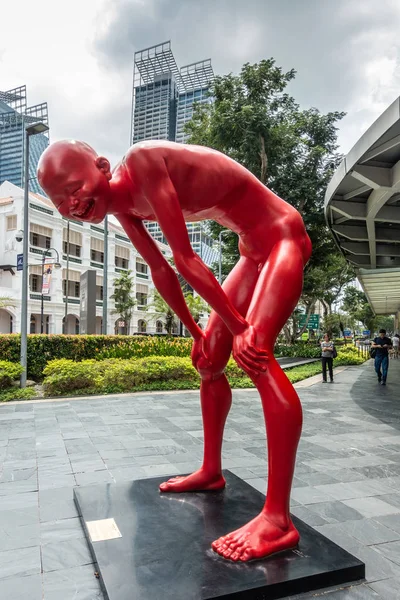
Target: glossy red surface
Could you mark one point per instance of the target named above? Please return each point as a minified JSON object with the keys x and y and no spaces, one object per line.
{"x":173,"y":183}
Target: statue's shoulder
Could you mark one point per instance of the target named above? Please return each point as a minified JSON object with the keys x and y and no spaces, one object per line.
{"x":154,"y":147}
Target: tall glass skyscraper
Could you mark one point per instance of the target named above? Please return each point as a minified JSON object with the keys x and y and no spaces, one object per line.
{"x":162,"y":102}
{"x":14,"y":116}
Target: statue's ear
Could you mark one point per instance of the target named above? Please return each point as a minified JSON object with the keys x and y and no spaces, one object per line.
{"x":104,"y":166}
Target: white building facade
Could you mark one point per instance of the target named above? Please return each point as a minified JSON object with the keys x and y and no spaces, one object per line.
{"x":48,"y":232}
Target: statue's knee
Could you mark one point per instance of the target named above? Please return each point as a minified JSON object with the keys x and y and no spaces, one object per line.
{"x":209,"y":370}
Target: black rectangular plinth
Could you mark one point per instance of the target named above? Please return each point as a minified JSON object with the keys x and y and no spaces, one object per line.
{"x":164,"y":552}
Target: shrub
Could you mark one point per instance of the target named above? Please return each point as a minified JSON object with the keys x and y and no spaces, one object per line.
{"x":348,"y":355}
{"x":114,"y":375}
{"x":8,"y":372}
{"x":63,"y":375}
{"x":17,"y":394}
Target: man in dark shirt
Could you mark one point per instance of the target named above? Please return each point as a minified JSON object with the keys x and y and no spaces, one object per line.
{"x":382,"y":345}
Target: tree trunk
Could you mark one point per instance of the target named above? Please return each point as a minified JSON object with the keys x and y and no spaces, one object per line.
{"x":288,"y":336}
{"x":264,"y":161}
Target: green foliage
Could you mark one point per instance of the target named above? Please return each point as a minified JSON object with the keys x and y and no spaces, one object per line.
{"x":303,"y":372}
{"x":9,"y":395}
{"x":355,"y":303}
{"x":123,"y":297}
{"x":114,"y":375}
{"x":8,"y":372}
{"x":255,"y":121}
{"x":300,"y":349}
{"x":196,"y":306}
{"x":348,"y":355}
{"x":164,"y":311}
{"x":43,"y":348}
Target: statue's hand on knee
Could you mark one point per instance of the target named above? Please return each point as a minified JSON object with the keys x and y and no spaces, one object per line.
{"x":249,"y":357}
{"x":199,"y":355}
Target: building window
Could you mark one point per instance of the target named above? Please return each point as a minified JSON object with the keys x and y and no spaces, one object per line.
{"x":74,"y":288}
{"x":40,"y":241}
{"x":99,"y":292}
{"x":141,"y":298}
{"x":159,"y":327}
{"x":35,"y":283}
{"x":11,"y":223}
{"x":121,"y":263}
{"x":97,"y":256}
{"x":74,"y":250}
{"x":142,"y":326}
{"x":141,"y":268}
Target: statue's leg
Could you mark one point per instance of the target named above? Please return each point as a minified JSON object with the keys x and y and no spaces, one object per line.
{"x":275,"y":297}
{"x":215,"y":391}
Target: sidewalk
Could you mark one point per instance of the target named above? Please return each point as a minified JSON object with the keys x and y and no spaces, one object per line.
{"x":347,"y":480}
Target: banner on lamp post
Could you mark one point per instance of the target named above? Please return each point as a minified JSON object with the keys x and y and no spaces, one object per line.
{"x":47,"y":272}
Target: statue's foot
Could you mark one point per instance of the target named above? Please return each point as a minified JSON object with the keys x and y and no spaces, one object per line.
{"x":257,"y":539}
{"x":199,"y":481}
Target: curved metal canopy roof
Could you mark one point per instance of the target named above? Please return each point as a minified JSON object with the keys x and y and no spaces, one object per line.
{"x":362,"y":208}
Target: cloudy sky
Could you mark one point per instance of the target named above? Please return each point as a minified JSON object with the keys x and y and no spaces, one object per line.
{"x":78,"y":55}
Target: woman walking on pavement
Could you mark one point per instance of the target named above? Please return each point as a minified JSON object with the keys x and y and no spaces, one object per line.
{"x":328,"y":350}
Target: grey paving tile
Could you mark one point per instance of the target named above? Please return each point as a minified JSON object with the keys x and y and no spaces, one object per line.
{"x":65,"y":555}
{"x":334,"y":512}
{"x":94,"y":477}
{"x":310,"y":495}
{"x":387,"y":588}
{"x":19,"y":517}
{"x":22,"y":588}
{"x":20,"y":563}
{"x":77,"y":583}
{"x":13,"y":537}
{"x":391,"y":550}
{"x":53,"y":480}
{"x":57,"y":531}
{"x":56,"y":504}
{"x":371,"y":507}
{"x":13,"y":501}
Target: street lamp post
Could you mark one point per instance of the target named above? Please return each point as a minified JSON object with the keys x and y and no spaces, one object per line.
{"x":57,"y":265}
{"x":33,"y":129}
{"x":105,"y":277}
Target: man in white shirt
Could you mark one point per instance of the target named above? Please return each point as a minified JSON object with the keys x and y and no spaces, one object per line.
{"x":395,"y":343}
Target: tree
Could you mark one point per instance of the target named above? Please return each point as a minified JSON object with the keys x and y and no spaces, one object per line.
{"x":355,"y":303}
{"x":163,"y":310}
{"x":196,"y":306}
{"x":255,"y":121}
{"x":123,"y":298}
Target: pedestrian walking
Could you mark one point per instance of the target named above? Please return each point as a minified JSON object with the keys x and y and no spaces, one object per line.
{"x":380,"y":351}
{"x":396,"y":343}
{"x":328,"y":353}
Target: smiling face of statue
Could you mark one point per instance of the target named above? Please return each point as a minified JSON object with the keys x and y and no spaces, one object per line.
{"x":76,"y":180}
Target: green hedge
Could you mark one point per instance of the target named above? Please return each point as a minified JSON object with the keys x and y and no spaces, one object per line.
{"x":117,"y":375}
{"x":43,"y":348}
{"x":113,"y":375}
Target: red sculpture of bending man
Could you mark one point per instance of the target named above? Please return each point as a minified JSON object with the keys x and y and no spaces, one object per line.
{"x":173,"y":183}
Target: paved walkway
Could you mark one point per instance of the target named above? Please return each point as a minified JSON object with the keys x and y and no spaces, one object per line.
{"x":347,"y":479}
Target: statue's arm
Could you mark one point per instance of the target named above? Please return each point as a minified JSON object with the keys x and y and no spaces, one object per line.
{"x":164,"y":201}
{"x":163,"y":275}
